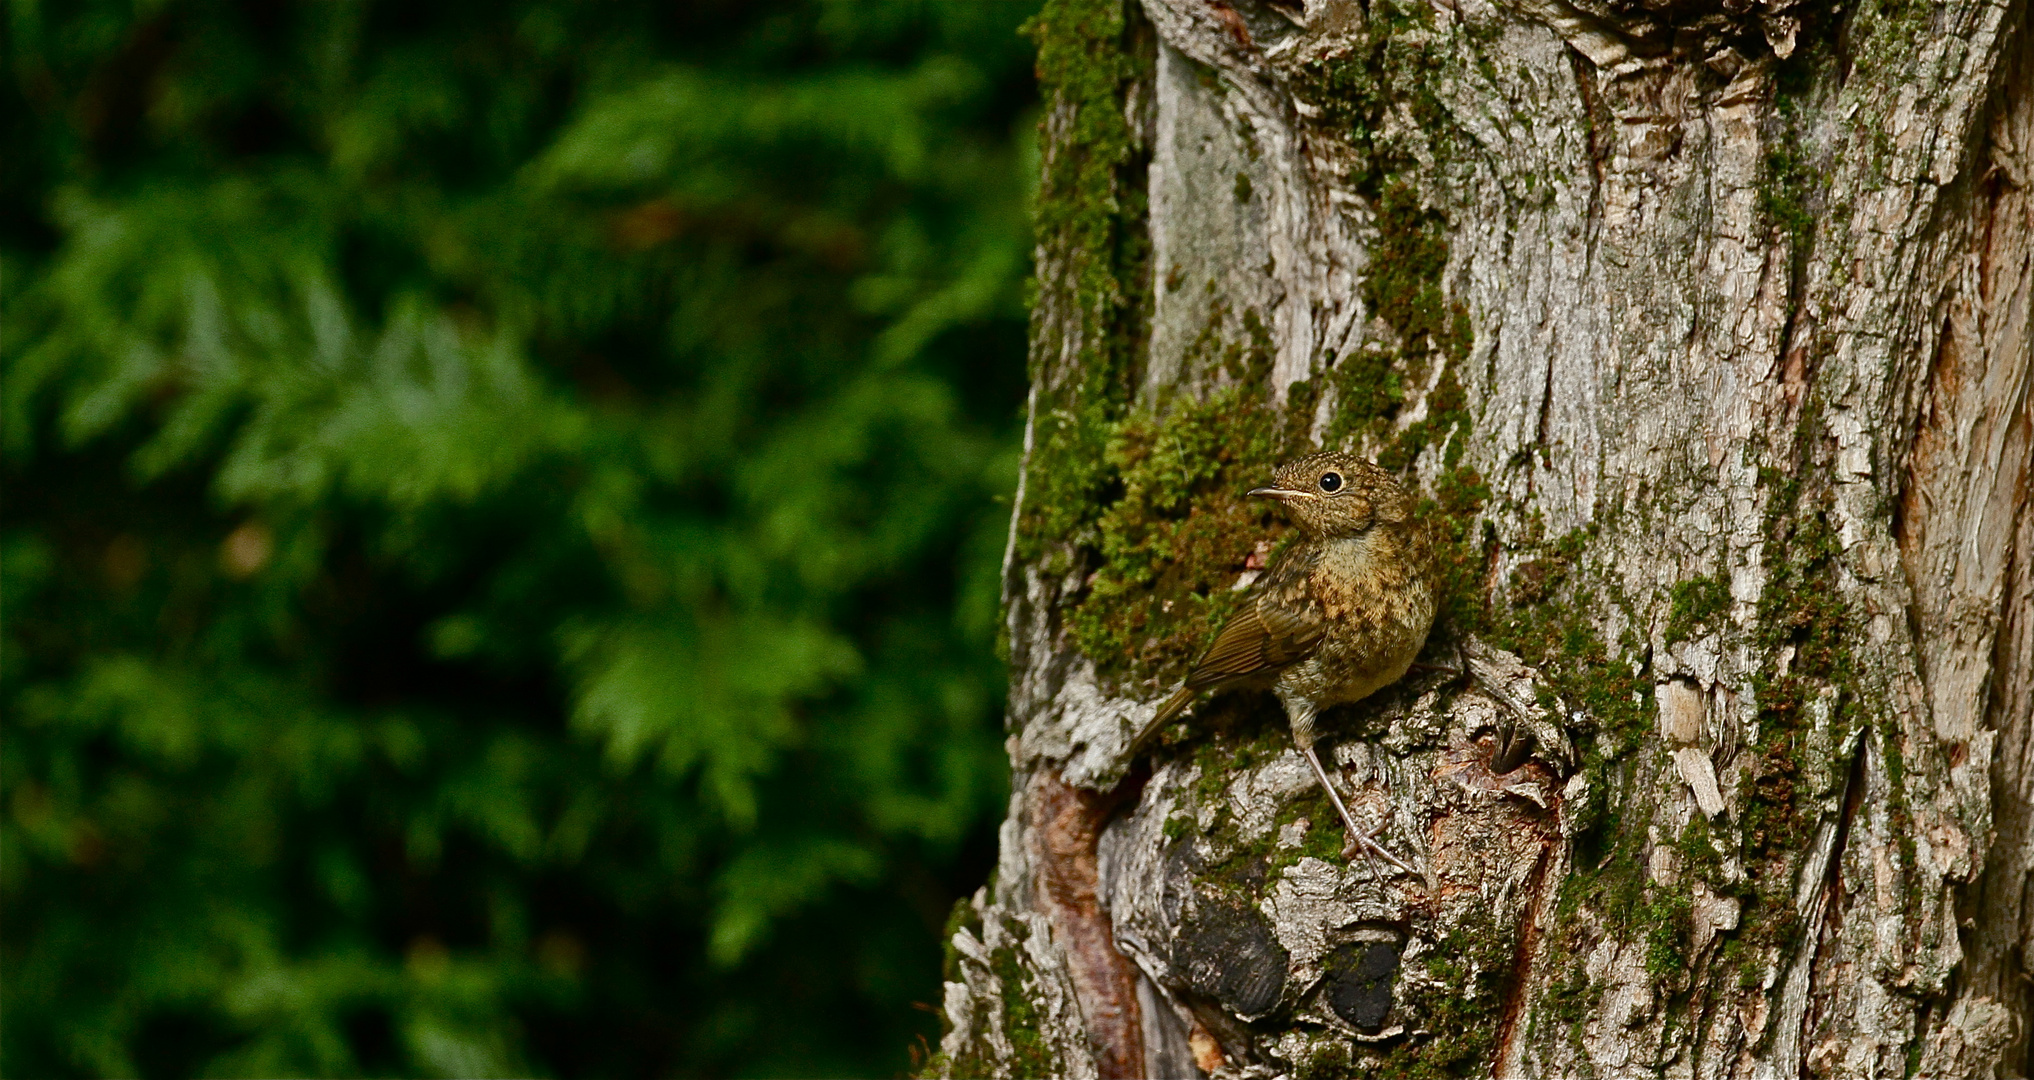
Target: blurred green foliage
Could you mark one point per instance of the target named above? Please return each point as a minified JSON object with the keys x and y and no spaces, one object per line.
{"x":502,"y":507}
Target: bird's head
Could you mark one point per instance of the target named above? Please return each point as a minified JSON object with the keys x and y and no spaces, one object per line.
{"x":1333,"y":495}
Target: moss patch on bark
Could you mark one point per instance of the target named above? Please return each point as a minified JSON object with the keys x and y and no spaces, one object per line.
{"x":1031,"y":1055}
{"x":1468,"y":973}
{"x":1695,"y":604}
{"x":1808,"y":683}
{"x":1170,"y":545}
{"x":1391,"y":61}
{"x":1092,"y":292}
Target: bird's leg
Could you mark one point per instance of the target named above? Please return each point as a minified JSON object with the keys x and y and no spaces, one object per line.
{"x":1356,"y":834}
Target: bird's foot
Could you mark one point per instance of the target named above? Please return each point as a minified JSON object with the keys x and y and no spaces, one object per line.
{"x":1352,"y":846}
{"x":1358,"y":843}
{"x":1358,"y":838}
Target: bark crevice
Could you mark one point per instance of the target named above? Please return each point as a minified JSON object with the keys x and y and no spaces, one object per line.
{"x":1066,"y":825}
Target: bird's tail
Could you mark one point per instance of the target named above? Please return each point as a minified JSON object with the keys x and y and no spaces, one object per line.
{"x":1173,"y":706}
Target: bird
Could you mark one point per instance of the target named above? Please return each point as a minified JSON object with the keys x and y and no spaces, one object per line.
{"x":1339,"y":615}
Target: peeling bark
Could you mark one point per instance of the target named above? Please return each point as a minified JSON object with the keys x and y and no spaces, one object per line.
{"x":1067,"y":823}
{"x":1707,"y":329}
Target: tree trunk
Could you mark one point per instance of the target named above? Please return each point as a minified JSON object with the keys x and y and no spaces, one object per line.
{"x":1704,"y":331}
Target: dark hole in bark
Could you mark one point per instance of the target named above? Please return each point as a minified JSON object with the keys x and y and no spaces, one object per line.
{"x":1514,"y":745}
{"x":1361,"y":976}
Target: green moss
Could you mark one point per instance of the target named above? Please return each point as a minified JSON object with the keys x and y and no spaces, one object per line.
{"x":1897,"y":806}
{"x":1231,"y":751}
{"x":1696,"y":604}
{"x":1322,"y":840}
{"x":1031,"y":1056}
{"x":1787,"y":187}
{"x":1668,"y":919}
{"x":1791,"y":189}
{"x":1549,"y":621}
{"x":1610,"y":873}
{"x":1461,"y":553}
{"x":1090,"y":223}
{"x":1347,"y":89}
{"x":1084,"y":209}
{"x":1884,"y":33}
{"x":1236,"y":738}
{"x":1065,"y":480}
{"x":1536,"y":580}
{"x":1549,"y":617}
{"x":1332,"y":1060}
{"x":962,"y":917}
{"x":1235,"y":735}
{"x":1702,"y":852}
{"x":1404,"y":290}
{"x":1248,"y":362}
{"x":1392,"y":59}
{"x":1171,"y":544}
{"x":1739,"y":954}
{"x":1775,"y":826}
{"x":1403,"y":282}
{"x":1470,"y":970}
{"x":1570,"y":1001}
{"x":1368,"y":394}
{"x":1804,"y":629}
{"x":1301,"y":399}
{"x":1447,"y":417}
{"x":1800,"y":613}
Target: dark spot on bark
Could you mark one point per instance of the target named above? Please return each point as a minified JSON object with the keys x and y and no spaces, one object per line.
{"x":1513,"y":746}
{"x":1180,"y":865}
{"x":1227,"y":952}
{"x":1360,"y":979}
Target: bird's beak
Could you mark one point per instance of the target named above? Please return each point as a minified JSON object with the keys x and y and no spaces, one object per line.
{"x":1281,"y":494}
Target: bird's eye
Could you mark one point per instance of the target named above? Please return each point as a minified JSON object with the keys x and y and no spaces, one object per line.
{"x":1331,"y":482}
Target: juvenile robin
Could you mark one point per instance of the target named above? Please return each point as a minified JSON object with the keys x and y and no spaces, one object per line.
{"x":1338,"y":616}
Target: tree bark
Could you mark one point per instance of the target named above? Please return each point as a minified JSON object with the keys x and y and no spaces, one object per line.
{"x":1705,"y":331}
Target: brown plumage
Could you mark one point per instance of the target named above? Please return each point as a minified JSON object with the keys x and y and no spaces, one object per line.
{"x":1340,"y":615}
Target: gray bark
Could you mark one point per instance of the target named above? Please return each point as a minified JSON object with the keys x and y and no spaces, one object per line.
{"x":1748,"y":290}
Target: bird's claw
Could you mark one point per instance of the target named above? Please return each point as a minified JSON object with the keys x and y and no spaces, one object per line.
{"x":1356,"y":843}
{"x":1351,"y":845}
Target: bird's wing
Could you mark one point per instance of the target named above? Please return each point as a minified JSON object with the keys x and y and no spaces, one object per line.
{"x":1265,"y":636}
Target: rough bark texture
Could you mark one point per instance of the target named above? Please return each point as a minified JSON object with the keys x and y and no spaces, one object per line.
{"x":1706,"y":329}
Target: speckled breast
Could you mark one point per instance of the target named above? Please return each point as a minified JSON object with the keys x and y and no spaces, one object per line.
{"x":1379,"y":607}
